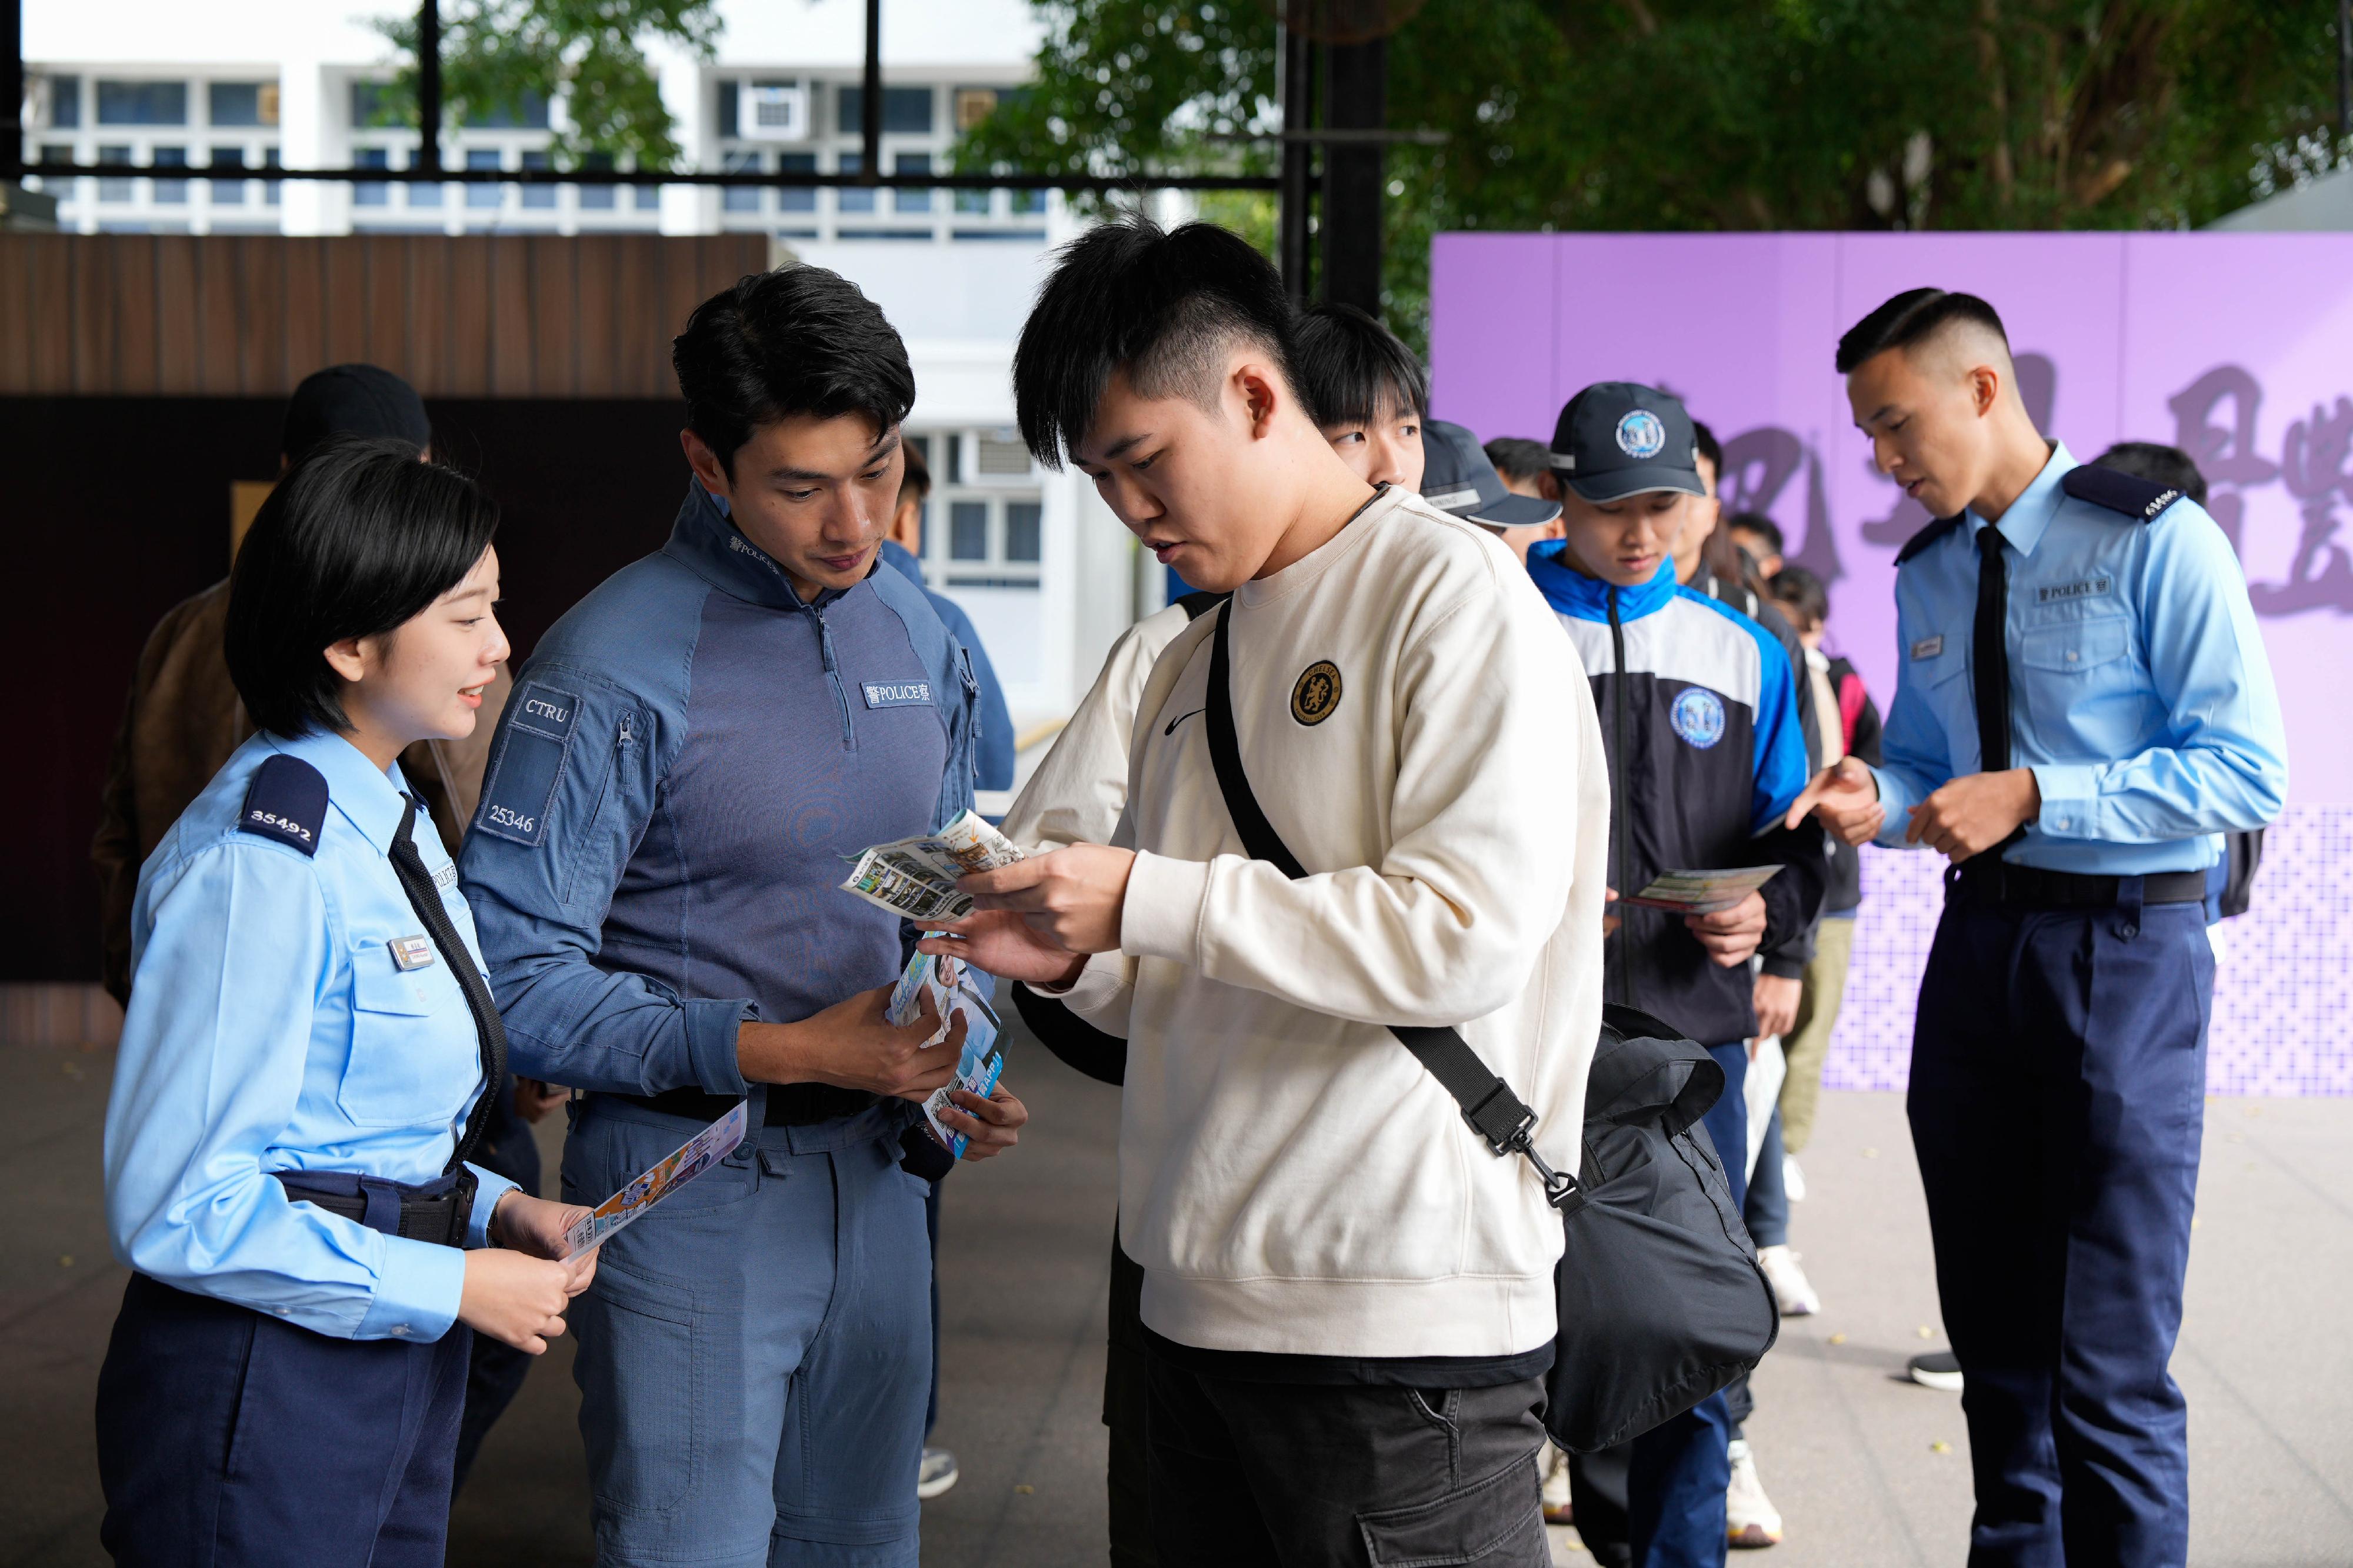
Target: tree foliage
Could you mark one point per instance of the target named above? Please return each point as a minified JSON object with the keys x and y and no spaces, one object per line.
{"x":1729,"y":114}
{"x":497,"y":56}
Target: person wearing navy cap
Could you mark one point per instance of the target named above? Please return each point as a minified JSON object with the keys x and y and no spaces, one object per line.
{"x":1457,"y":478}
{"x":307,"y":1065}
{"x":2082,"y":709}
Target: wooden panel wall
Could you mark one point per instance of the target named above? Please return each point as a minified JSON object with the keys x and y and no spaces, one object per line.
{"x":539,"y":316}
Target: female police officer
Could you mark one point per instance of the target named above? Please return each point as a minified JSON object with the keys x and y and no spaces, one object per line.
{"x":303,"y":1064}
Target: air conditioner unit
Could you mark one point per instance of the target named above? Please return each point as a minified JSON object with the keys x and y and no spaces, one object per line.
{"x":773,"y":111}
{"x":998,"y":458}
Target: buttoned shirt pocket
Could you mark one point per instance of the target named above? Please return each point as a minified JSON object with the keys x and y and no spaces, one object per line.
{"x":405,"y":1067}
{"x":2068,"y":662}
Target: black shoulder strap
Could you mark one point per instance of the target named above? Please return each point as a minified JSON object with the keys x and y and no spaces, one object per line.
{"x":1201,"y":603}
{"x":2128,"y":495}
{"x":1493,"y":1111}
{"x":1927,"y":536}
{"x":286,"y":801}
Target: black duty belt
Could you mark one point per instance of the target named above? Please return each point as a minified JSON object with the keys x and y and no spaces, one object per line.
{"x":438,"y":1211}
{"x":789,"y":1104}
{"x":2030,"y":886}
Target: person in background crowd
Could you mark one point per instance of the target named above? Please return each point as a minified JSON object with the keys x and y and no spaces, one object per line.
{"x":1458,"y":477}
{"x":1525,"y":467}
{"x":183,"y":719}
{"x":1706,"y":756}
{"x":903,"y":549}
{"x":1759,"y":538}
{"x":2084,"y":704}
{"x":305,"y":1074}
{"x":1319,"y":1388}
{"x":693,"y":752}
{"x":1079,"y":790}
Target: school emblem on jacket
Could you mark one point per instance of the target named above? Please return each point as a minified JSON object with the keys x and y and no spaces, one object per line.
{"x":1317,"y":693}
{"x":1641,"y":435}
{"x":1698,"y":717}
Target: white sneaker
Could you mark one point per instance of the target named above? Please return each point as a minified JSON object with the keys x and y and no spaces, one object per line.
{"x":936,"y":1474}
{"x":1556,"y":1506}
{"x":1791,"y":1289}
{"x":1793,"y":1179}
{"x":1751,"y":1520}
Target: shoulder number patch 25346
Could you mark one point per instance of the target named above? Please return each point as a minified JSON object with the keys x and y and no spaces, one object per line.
{"x":528,"y":763}
{"x":1317,"y":693}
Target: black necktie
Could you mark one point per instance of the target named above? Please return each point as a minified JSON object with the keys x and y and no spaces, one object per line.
{"x":426,"y":900}
{"x":1989,"y":654}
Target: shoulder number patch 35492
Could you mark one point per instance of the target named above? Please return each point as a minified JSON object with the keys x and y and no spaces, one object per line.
{"x":1317,"y":693}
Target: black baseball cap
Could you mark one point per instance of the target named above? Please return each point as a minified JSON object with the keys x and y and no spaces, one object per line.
{"x":1456,"y":476}
{"x":363,"y":400}
{"x":1617,"y":438}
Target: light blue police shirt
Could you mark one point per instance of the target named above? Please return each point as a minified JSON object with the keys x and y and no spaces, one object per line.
{"x":2140,"y":695}
{"x":270,"y":1030}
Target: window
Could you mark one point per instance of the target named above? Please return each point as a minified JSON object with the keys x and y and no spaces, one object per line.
{"x":968,"y":531}
{"x":1027,"y":202}
{"x":483,"y":196}
{"x":907,"y":201}
{"x":529,"y":114}
{"x":741,"y":198}
{"x":371,"y":193}
{"x":142,"y":102}
{"x":729,"y":106}
{"x":170,"y":193}
{"x":1003,"y":456}
{"x":269,"y":187}
{"x":803,"y":199}
{"x":110,"y":189}
{"x":1024,"y":530}
{"x":242,"y":104}
{"x":597,"y":198}
{"x":645,"y":198}
{"x":228,"y":192}
{"x":906,"y":111}
{"x":425,"y":196}
{"x":973,"y":202}
{"x":65,"y":102}
{"x":972,"y":105}
{"x":373,"y":103}
{"x":537,"y":195}
{"x":853,"y":199}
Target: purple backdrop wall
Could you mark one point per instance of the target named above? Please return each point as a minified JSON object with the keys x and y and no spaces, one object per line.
{"x":2236,"y":347}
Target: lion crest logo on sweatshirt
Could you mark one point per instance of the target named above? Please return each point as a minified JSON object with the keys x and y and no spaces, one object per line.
{"x":1317,"y":693}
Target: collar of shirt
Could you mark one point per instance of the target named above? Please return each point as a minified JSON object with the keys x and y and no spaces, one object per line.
{"x":706,"y":537}
{"x":369,"y":797}
{"x":1572,"y":592}
{"x":2028,"y":517}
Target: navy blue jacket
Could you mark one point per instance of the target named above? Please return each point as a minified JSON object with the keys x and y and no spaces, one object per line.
{"x":993,"y":742}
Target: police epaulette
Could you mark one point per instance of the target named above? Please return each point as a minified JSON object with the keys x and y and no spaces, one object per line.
{"x":286,"y":801}
{"x":2129,"y":494}
{"x":1927,"y":536}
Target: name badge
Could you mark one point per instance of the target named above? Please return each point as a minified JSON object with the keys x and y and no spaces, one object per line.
{"x":411,"y":953}
{"x":897,"y":693}
{"x":1929,"y":648}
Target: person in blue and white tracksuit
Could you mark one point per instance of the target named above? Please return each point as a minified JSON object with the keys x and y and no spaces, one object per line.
{"x":1699,"y":720}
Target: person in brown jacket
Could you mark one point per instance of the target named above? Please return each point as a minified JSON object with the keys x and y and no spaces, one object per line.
{"x":183,"y":719}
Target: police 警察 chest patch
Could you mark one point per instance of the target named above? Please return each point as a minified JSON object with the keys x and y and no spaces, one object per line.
{"x":1698,"y":717}
{"x":1316,"y":693}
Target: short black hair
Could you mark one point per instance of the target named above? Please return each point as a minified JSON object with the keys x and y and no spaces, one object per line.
{"x":2158,"y":464}
{"x":778,"y":344}
{"x":357,"y":540}
{"x":1802,"y":591}
{"x":1757,"y":522}
{"x":916,"y":480}
{"x":1352,"y":368}
{"x":1911,"y":317}
{"x":1704,"y":441}
{"x":1518,"y":458}
{"x":1163,"y":305}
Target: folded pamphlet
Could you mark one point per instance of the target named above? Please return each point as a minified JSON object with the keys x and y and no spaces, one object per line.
{"x":690,"y":1160}
{"x":1701,"y":892}
{"x":917,"y":877}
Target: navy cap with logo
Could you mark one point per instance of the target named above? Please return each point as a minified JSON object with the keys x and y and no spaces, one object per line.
{"x":1456,"y":476}
{"x":1617,"y":438}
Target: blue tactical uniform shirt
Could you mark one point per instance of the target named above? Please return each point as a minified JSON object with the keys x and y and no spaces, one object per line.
{"x":688,"y":765}
{"x":993,"y":753}
{"x":2141,"y":694}
{"x":271,"y":1027}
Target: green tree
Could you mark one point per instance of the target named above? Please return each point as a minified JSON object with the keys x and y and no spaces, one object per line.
{"x":497,"y":56}
{"x":1728,"y":114}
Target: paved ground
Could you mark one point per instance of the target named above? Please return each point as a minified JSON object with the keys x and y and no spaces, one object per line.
{"x":1870,"y":1470}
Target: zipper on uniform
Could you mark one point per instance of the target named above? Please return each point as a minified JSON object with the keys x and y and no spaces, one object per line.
{"x":833,"y":675}
{"x":1620,"y":852}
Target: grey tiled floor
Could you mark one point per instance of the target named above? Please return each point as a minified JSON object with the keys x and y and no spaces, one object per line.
{"x":1870,"y":1471}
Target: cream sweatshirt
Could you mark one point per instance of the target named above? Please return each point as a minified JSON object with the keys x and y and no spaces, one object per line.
{"x":1078,"y":791}
{"x":1421,"y":734}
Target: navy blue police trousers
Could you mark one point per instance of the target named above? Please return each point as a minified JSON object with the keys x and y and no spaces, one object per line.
{"x":2057,"y":1098}
{"x":229,"y":1438}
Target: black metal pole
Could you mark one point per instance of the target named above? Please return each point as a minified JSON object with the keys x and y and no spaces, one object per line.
{"x":428,"y":87}
{"x":12,"y":86}
{"x":870,"y":128}
{"x":1295,"y":60}
{"x":1354,"y":174}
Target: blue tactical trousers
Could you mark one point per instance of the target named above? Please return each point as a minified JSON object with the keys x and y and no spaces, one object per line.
{"x":2058,"y":1093}
{"x":755,"y":1352}
{"x":1676,"y":1475}
{"x":227,"y":1436}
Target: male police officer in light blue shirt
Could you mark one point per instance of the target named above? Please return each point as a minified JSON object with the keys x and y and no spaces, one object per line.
{"x":2083,"y":707}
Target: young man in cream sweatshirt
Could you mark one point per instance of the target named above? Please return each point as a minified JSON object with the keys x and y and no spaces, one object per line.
{"x":1348,"y":1297}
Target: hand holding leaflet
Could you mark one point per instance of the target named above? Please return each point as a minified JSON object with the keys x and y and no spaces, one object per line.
{"x":1701,"y":892}
{"x":917,"y":877}
{"x":690,"y":1160}
{"x":980,"y":1064}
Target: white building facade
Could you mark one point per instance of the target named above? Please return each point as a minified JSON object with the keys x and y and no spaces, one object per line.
{"x":203,"y":107}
